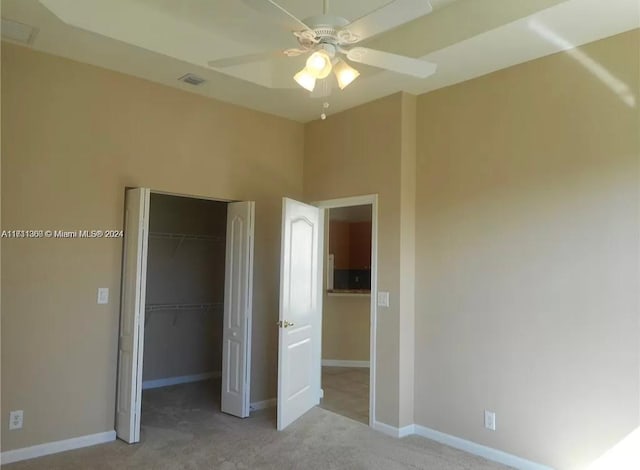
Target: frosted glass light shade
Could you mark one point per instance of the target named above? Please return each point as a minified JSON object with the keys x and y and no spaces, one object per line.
{"x":305,"y":79}
{"x":345,"y":74}
{"x":319,"y":64}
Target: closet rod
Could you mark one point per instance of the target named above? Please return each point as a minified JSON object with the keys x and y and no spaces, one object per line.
{"x":186,"y":236}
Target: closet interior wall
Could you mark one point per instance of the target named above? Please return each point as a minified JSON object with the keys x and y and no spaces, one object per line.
{"x":185,"y":288}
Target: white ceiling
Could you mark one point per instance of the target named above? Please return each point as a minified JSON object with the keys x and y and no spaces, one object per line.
{"x":161,"y":40}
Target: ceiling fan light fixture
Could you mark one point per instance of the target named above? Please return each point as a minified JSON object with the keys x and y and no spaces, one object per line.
{"x":345,"y":74}
{"x":319,"y":64}
{"x":305,"y":79}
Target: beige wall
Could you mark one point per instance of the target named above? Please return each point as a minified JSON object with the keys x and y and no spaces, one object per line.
{"x":407,"y":260}
{"x":345,"y":327}
{"x":358,"y":152}
{"x":74,"y":137}
{"x":527,"y":256}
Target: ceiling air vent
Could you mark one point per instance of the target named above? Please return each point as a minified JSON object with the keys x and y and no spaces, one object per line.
{"x":18,"y":32}
{"x":192,"y":79}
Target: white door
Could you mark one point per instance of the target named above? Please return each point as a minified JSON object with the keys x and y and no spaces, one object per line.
{"x":300,"y":311}
{"x":134,"y":273}
{"x":236,"y":335}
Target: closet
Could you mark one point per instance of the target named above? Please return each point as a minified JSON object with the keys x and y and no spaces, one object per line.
{"x":184,"y":292}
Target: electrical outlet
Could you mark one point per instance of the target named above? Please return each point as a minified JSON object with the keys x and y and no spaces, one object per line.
{"x":490,"y":420}
{"x":15,"y":419}
{"x":103,"y":295}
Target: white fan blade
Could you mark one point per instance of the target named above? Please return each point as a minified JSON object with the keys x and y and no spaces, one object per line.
{"x":244,"y":59}
{"x":389,"y":16}
{"x":279,"y":14}
{"x":395,"y":63}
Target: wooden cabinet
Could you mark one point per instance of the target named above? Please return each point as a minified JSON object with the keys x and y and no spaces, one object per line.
{"x":360,"y":245}
{"x":350,"y":244}
{"x":339,"y":243}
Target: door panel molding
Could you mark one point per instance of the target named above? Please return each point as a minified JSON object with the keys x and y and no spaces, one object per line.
{"x":238,"y":299}
{"x":300,"y":318}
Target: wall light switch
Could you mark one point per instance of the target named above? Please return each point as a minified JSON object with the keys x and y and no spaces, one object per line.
{"x":383,"y":299}
{"x":103,"y":295}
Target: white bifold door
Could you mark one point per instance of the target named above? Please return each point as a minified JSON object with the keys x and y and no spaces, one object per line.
{"x":300,"y":317}
{"x":236,"y":353}
{"x":134,"y":284}
{"x":236,"y":332}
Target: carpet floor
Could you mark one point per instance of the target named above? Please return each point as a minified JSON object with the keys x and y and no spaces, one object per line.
{"x":183,"y":428}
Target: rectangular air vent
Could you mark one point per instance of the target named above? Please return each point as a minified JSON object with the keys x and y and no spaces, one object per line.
{"x":192,"y":79}
{"x":18,"y":32}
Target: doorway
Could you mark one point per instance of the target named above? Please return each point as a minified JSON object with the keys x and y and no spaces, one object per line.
{"x":346,"y":311}
{"x":349,"y":307}
{"x":182,"y":355}
{"x":301,"y":305}
{"x":186,"y":309}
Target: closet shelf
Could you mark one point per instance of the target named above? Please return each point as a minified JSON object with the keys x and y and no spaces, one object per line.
{"x":207,"y":306}
{"x":186,"y":236}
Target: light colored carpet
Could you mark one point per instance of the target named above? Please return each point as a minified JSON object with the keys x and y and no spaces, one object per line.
{"x":184,"y":429}
{"x":346,"y":392}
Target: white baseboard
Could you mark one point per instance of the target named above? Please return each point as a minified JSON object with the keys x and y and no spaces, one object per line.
{"x":392,"y":430}
{"x":408,"y":430}
{"x":264,"y":404}
{"x":183,"y":379}
{"x":478,"y":449}
{"x":461,"y":444}
{"x":40,"y":450}
{"x":339,"y":363}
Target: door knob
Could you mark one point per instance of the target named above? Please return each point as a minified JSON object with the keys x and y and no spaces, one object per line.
{"x":284,"y":324}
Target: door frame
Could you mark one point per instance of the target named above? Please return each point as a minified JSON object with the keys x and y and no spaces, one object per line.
{"x":371,"y":199}
{"x":190,"y":196}
{"x":141,"y":329}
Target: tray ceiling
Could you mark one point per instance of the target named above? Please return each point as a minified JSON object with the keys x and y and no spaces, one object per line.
{"x":162,"y":40}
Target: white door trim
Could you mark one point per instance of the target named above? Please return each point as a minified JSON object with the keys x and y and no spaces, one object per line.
{"x":192,"y":196}
{"x":360,"y":201}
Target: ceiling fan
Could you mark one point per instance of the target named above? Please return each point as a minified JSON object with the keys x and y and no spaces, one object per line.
{"x":330,"y":40}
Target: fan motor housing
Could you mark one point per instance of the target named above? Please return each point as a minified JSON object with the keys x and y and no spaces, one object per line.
{"x":327,"y":28}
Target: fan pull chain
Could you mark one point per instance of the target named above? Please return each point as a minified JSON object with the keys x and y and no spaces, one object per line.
{"x":325,"y":106}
